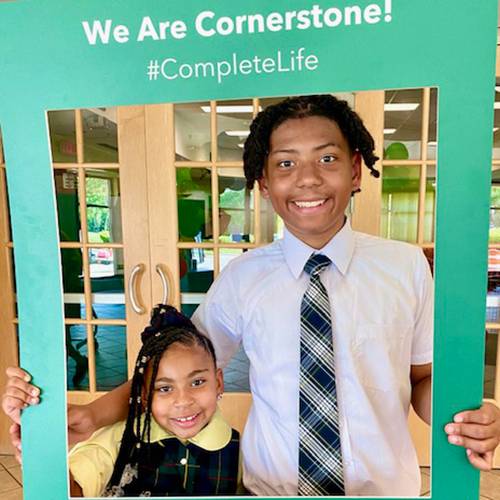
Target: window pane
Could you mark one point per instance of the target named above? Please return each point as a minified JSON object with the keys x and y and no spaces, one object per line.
{"x":66,"y":184}
{"x":77,"y":361}
{"x":196,"y":269}
{"x":194,"y":204}
{"x":236,"y":211}
{"x":233,"y":127}
{"x":73,"y":288}
{"x":236,"y":373}
{"x":432,"y":144}
{"x":430,"y":205}
{"x":495,"y":208}
{"x":491,"y":357}
{"x":400,"y":187}
{"x":62,"y":136}
{"x":100,"y":135}
{"x":403,"y":124}
{"x":192,"y":132}
{"x":110,"y":356}
{"x":496,"y":126}
{"x":106,"y":278}
{"x":271,"y":224}
{"x":227,"y":255}
{"x":104,"y":222}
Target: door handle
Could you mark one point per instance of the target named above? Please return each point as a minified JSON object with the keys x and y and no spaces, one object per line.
{"x":164,"y":282}
{"x":136,"y":271}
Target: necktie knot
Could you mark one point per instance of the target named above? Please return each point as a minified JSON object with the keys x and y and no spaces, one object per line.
{"x":316,"y":264}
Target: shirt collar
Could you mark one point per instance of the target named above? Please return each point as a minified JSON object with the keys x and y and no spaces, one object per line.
{"x":213,"y":436}
{"x":339,"y":250}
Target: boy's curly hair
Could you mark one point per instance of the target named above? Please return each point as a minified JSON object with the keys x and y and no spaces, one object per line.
{"x":256,"y":147}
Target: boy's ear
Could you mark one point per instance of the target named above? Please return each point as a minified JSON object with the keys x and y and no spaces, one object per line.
{"x":356,"y":170}
{"x":263,"y":187}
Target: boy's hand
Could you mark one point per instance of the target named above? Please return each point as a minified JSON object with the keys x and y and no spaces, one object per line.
{"x":479,"y":432}
{"x":19,"y":394}
{"x":81,"y":423}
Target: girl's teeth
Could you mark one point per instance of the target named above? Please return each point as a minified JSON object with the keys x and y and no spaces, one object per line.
{"x":309,"y":204}
{"x":186,"y":419}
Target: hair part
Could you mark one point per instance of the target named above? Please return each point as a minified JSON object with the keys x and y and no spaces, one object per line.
{"x":257,"y":144}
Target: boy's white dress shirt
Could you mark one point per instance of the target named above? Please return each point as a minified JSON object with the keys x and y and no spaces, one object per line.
{"x":381,"y":295}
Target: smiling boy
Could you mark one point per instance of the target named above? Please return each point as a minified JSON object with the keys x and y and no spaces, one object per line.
{"x":306,"y":154}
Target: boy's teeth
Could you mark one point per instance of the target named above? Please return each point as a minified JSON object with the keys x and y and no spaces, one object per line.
{"x":309,"y":204}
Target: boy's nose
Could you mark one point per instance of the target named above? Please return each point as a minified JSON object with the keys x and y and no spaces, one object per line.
{"x":308,"y":175}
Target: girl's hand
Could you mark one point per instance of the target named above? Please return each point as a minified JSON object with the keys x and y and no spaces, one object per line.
{"x":479,"y":432}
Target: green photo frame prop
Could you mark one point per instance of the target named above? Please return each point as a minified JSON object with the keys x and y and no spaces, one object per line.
{"x":50,"y":51}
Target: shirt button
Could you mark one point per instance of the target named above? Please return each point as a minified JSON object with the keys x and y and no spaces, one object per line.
{"x":184,"y":461}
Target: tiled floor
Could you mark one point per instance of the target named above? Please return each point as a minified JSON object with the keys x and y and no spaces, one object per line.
{"x":11,"y":485}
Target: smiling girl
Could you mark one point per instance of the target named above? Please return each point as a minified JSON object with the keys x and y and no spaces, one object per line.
{"x":174,"y":441}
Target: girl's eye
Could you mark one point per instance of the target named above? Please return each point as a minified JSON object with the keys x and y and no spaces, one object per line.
{"x":164,"y":388}
{"x":198,"y":382}
{"x":285,"y":164}
{"x":328,"y":159}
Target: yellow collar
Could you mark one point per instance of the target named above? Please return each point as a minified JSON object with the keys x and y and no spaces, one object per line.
{"x":213,"y":436}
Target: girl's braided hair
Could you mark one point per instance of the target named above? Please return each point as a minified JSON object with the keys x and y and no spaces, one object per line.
{"x":167,"y":327}
{"x":257,"y":143}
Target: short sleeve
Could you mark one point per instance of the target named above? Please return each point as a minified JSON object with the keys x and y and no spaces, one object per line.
{"x":217,"y":316}
{"x":91,"y":462}
{"x":422,"y":344}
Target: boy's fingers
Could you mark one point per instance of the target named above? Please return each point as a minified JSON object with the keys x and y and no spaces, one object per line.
{"x":479,"y":446}
{"x":15,"y":436}
{"x":14,"y":371}
{"x":485,"y":415}
{"x":17,"y":398}
{"x":22,"y":385}
{"x":476,"y":431}
{"x":481,"y":462}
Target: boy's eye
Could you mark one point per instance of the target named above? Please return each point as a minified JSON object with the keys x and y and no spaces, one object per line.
{"x":285,"y":163}
{"x":328,"y":159}
{"x":198,"y":382}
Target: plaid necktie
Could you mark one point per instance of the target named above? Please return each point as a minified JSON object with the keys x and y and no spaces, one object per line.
{"x":320,"y":456}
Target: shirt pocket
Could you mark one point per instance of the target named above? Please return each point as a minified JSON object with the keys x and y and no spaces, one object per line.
{"x":381,"y":356}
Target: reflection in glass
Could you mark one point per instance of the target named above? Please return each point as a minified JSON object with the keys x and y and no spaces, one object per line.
{"x":403,"y":124}
{"x":233,"y":127}
{"x":106,"y":278}
{"x":400,"y":188}
{"x":62,"y":136}
{"x":100,"y":135}
{"x":271,"y":224}
{"x":110,"y":356}
{"x":72,"y":273}
{"x":66,"y":184}
{"x":196,"y":269}
{"x":194,"y":204}
{"x":103,"y":206}
{"x":77,"y":357}
{"x":192,"y":132}
{"x":236,"y":211}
